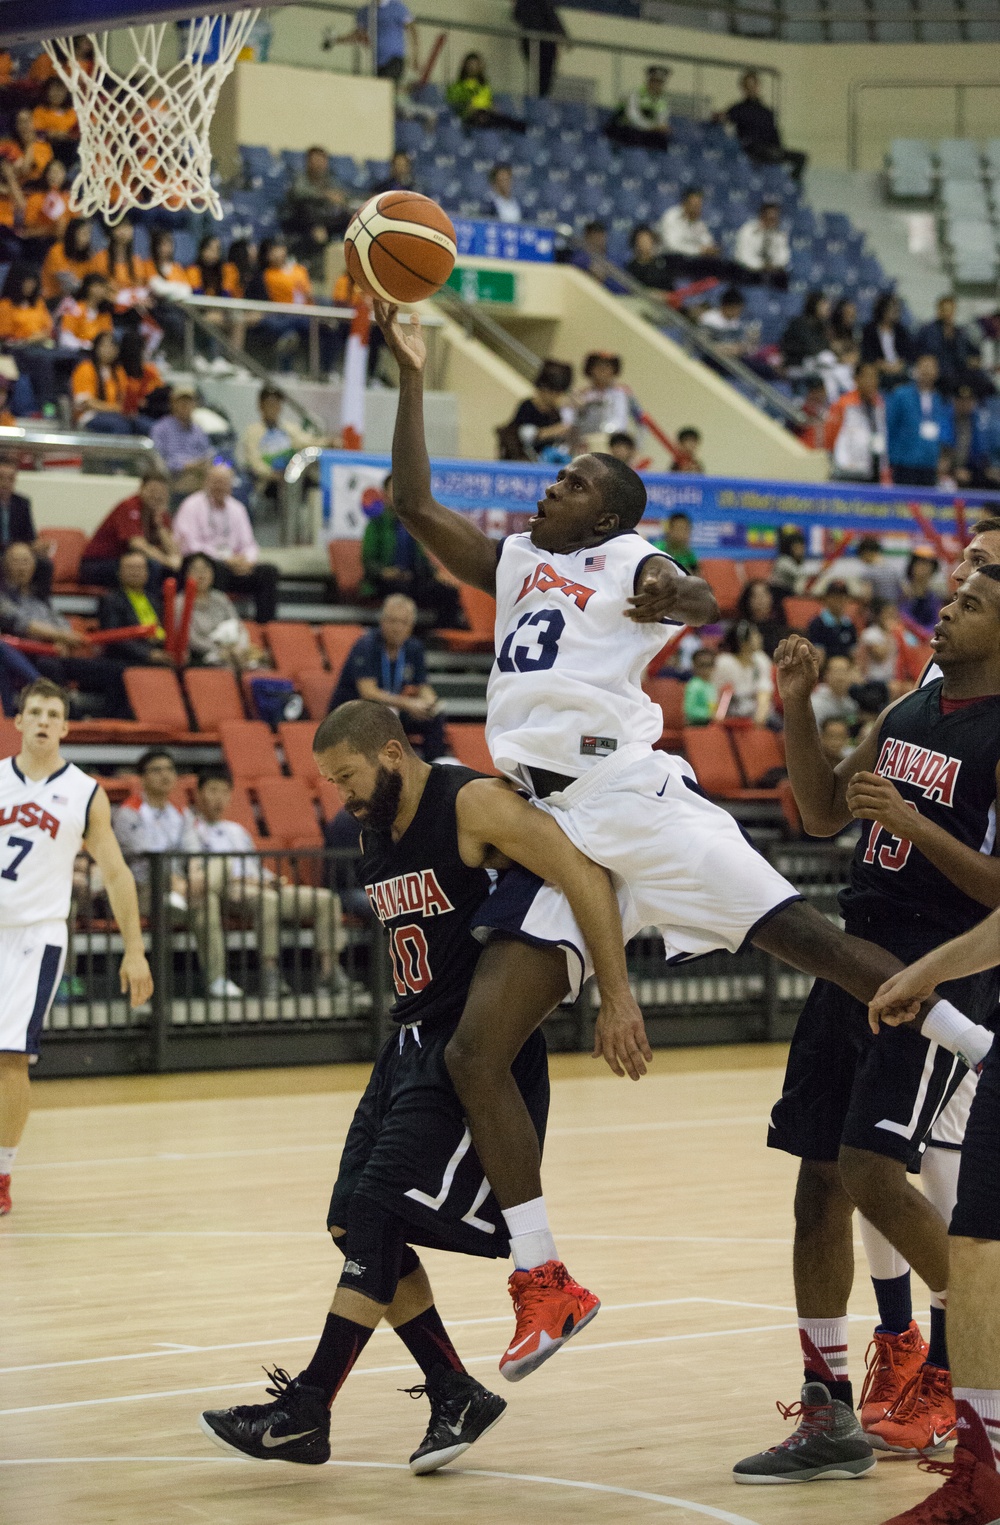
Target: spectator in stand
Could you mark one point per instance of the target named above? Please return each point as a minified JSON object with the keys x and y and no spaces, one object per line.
{"x":218,"y":637}
{"x":168,"y":282}
{"x":284,"y":281}
{"x":396,"y":28}
{"x":314,"y":211}
{"x":148,"y":823}
{"x":832,"y":630}
{"x":24,"y":614}
{"x":89,"y":313}
{"x":544,"y":426}
{"x":46,"y":210}
{"x":832,"y":698}
{"x":185,"y":449}
{"x":471,"y":98}
{"x":55,"y":121}
{"x":268,"y":444}
{"x":876,"y":577}
{"x":400,"y":176}
{"x":99,"y":386}
{"x":132,"y":603}
{"x":689,"y":457}
{"x":387,"y":664}
{"x":68,"y":261}
{"x":762,"y":249}
{"x":26,"y":333}
{"x":957,"y":354}
{"x":503,"y":204}
{"x":886,"y":341}
{"x":700,"y":693}
{"x":211,"y":275}
{"x":216,"y":523}
{"x":647,"y":264}
{"x":139,"y":523}
{"x":757,"y":129}
{"x":624,"y":447}
{"x":128,"y":274}
{"x":235,"y":872}
{"x":604,"y":406}
{"x":539,"y":16}
{"x":920,"y":426}
{"x":643,"y":117}
{"x":676,"y":541}
{"x":790,"y":573}
{"x":845,"y":330}
{"x":814,"y":406}
{"x":145,"y":390}
{"x":726,"y":326}
{"x":855,"y":432}
{"x":757,"y":604}
{"x":10,"y":390}
{"x":25,"y":151}
{"x":808,"y":335}
{"x":880,"y":648}
{"x":835,"y":740}
{"x":921,"y":597}
{"x":690,"y":250}
{"x":11,"y":211}
{"x":592,"y":256}
{"x":17,"y":525}
{"x":744,"y":667}
{"x":245,"y":259}
{"x":969,"y":458}
{"x":394,"y":563}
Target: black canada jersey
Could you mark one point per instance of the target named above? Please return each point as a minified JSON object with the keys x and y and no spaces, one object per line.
{"x":426,"y":899}
{"x":943,"y":762}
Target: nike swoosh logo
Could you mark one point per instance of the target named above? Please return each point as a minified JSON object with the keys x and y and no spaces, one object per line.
{"x":659,"y":792}
{"x":269,"y":1441}
{"x":513,"y":1349}
{"x":456,"y":1429}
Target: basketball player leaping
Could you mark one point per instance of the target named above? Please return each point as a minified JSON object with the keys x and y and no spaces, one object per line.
{"x":48,"y":807}
{"x":568,"y":719}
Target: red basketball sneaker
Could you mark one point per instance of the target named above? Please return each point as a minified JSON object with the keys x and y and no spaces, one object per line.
{"x":5,"y":1202}
{"x":971,"y":1495}
{"x":922,"y":1420}
{"x":550,"y":1308}
{"x":893,"y":1359}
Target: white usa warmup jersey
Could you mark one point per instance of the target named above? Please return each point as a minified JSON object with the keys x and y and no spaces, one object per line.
{"x":566,"y":690}
{"x":42,"y":826}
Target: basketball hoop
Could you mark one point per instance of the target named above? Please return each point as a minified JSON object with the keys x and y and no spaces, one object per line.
{"x":143,"y":131}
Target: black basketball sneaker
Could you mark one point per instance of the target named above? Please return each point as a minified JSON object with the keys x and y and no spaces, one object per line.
{"x":462,"y":1411}
{"x":295,"y":1427}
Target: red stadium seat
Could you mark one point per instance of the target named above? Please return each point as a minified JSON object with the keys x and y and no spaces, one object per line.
{"x":800,"y":611}
{"x":10,"y":738}
{"x":287,"y":809}
{"x":316,"y":688}
{"x":481,"y":613}
{"x":156,"y":699}
{"x":69,"y":544}
{"x":468,"y":743}
{"x":296,"y":737}
{"x":709,"y":750}
{"x":345,"y":564}
{"x":668,"y":693}
{"x":723,"y":577}
{"x":182,"y":794}
{"x":292,"y":644}
{"x":329,"y":799}
{"x":248,"y":748}
{"x":336,"y":641}
{"x":758,"y":751}
{"x":214,"y":696}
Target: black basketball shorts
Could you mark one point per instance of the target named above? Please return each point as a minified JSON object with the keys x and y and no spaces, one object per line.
{"x":977,"y":1211}
{"x":846,"y":1085}
{"x":410,"y":1150}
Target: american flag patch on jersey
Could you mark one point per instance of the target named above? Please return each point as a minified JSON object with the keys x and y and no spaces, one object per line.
{"x":594,"y":563}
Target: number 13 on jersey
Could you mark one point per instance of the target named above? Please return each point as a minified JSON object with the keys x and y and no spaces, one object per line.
{"x":538,"y":647}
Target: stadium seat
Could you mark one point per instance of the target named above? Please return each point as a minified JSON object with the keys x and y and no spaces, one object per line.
{"x":668,"y":693}
{"x":480,"y":612}
{"x":292,"y":644}
{"x":709,"y":750}
{"x":316,"y":688}
{"x":156,"y":699}
{"x":182,"y":794}
{"x":248,"y":747}
{"x":723,"y":577}
{"x":468,"y":744}
{"x":345,"y":564}
{"x":336,"y":641}
{"x":758,"y":752}
{"x":69,"y":546}
{"x":296,"y":737}
{"x":214,"y":696}
{"x":10,"y":738}
{"x":329,"y":801}
{"x":287,"y":810}
{"x":799,"y":611}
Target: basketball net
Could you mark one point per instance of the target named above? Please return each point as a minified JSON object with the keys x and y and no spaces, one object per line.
{"x":144,"y":131}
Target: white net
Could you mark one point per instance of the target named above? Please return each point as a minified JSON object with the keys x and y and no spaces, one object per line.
{"x":144,"y":130}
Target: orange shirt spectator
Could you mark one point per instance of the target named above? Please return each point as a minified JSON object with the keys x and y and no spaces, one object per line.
{"x":25,"y":150}
{"x":43,"y":69}
{"x":68,"y":262}
{"x":99,"y":387}
{"x":82,"y":318}
{"x":46,"y":211}
{"x":11,"y":195}
{"x":211,"y":275}
{"x":128,"y":275}
{"x":288,"y":283}
{"x":138,"y":388}
{"x":55,"y":118}
{"x":346,"y":292}
{"x":6,"y":67}
{"x":24,"y":322}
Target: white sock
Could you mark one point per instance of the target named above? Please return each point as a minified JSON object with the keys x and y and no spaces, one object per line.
{"x":885,"y":1262}
{"x":7,"y":1158}
{"x":986,"y":1402}
{"x":945,"y":1024}
{"x":531,"y":1242}
{"x":824,"y":1347}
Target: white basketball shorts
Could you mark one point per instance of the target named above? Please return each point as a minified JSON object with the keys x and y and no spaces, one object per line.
{"x":31,"y":966}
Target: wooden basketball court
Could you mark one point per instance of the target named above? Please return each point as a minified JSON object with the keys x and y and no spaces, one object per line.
{"x":167,"y":1238}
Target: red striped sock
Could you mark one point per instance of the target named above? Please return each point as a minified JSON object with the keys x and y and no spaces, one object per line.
{"x":978,"y":1413}
{"x":824,"y":1348}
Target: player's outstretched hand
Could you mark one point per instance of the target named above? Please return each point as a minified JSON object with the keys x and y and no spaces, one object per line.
{"x":408,"y":348}
{"x":900,"y":998}
{"x":796,"y":667}
{"x":873,"y":798}
{"x":620,"y":1038}
{"x":135,"y":979}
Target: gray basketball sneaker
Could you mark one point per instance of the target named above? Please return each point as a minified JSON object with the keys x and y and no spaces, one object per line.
{"x":829,"y":1443}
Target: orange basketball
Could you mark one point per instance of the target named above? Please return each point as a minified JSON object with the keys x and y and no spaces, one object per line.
{"x":400,"y":246}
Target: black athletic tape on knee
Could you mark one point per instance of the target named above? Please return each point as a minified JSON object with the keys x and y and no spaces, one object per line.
{"x":373,"y":1251}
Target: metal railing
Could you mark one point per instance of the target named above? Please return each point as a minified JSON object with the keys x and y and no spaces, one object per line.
{"x":211,"y":917}
{"x":858,"y":88}
{"x":40,"y":439}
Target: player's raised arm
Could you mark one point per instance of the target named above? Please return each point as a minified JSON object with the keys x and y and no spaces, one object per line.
{"x":102,"y":845}
{"x":452,"y":538}
{"x":665,"y":592}
{"x":493,"y":815}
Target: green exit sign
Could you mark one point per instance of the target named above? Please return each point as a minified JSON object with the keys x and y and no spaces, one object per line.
{"x":484,"y":285}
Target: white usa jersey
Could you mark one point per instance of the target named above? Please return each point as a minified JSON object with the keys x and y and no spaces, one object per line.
{"x":42,"y":827}
{"x":566,"y":686}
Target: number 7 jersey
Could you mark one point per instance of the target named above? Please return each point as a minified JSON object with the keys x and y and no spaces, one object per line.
{"x":42,"y":826}
{"x":566,"y":687}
